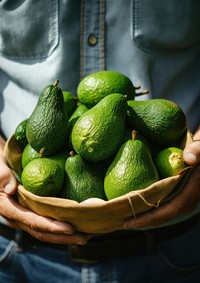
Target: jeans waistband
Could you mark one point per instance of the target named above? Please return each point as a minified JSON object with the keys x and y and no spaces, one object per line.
{"x":112,"y":245}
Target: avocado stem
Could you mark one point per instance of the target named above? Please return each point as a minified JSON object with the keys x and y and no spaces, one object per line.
{"x":142,"y":92}
{"x":137,"y":86}
{"x":41,"y":153}
{"x":134,"y":134}
{"x":72,"y":153}
{"x":56,"y":83}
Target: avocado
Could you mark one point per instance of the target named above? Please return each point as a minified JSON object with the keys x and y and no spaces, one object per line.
{"x":96,"y":86}
{"x":70,"y":102}
{"x":99,"y":132}
{"x":132,"y":169}
{"x":169,"y":162}
{"x":83,"y":179}
{"x":20,"y":132}
{"x":48,"y":125}
{"x":81,"y":108}
{"x":159,"y":120}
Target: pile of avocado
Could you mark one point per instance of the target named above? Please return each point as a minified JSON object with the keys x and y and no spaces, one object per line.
{"x":111,"y":146}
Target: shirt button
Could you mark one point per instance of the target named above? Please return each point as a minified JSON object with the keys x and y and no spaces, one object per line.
{"x":92,"y":40}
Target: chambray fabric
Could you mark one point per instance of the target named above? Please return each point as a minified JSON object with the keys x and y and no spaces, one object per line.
{"x":155,"y":43}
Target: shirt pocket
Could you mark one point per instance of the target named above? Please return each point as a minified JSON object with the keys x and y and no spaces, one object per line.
{"x":28,"y":28}
{"x":165,"y":25}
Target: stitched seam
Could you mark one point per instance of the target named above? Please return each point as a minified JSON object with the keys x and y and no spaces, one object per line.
{"x":135,"y":18}
{"x":82,"y":39}
{"x":102,"y":47}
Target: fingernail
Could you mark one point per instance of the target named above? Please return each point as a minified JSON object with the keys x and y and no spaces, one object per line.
{"x":190,"y":157}
{"x":8,"y":189}
{"x":68,"y":232}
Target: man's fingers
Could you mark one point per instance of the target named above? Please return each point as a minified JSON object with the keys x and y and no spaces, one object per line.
{"x":51,"y":237}
{"x":13,"y":211}
{"x":185,"y":202}
{"x":42,"y":228}
{"x":191,"y":153}
{"x":8,"y":182}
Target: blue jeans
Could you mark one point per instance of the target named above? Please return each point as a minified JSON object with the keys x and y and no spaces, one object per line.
{"x":175,"y":261}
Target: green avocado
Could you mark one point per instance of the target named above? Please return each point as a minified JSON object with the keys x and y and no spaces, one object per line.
{"x":159,"y":120}
{"x":48,"y":126}
{"x":99,"y":132}
{"x":70,"y":102}
{"x":20,"y":132}
{"x":169,"y":162}
{"x":132,"y":169}
{"x":83,"y":179}
{"x":80,"y":109}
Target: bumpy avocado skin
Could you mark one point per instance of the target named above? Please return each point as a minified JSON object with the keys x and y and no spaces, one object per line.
{"x":159,"y":120}
{"x":83,"y":179}
{"x":100,"y":131}
{"x":48,"y":125}
{"x":132,"y":169}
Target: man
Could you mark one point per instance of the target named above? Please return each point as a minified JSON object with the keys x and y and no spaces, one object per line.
{"x":157,"y":46}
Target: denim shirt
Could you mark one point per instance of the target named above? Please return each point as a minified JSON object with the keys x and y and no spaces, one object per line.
{"x":155,"y":43}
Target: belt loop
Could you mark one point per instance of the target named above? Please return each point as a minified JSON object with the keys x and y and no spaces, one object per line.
{"x":18,"y":236}
{"x":150,"y":241}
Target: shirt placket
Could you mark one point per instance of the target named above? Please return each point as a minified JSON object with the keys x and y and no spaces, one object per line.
{"x":92,"y":49}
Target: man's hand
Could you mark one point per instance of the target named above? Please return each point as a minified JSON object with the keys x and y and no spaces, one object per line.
{"x":18,"y":217}
{"x":185,"y":202}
